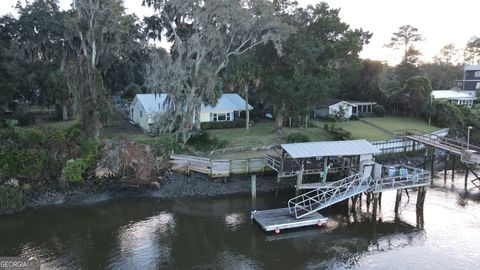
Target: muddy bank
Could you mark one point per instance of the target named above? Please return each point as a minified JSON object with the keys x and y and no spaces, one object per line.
{"x":172,"y":185}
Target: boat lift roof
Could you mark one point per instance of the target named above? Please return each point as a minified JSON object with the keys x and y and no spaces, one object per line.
{"x":329,"y":149}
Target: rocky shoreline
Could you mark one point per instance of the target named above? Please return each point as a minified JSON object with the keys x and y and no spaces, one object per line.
{"x":172,"y":185}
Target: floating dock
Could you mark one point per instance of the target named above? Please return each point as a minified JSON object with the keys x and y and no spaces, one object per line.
{"x":279,"y":219}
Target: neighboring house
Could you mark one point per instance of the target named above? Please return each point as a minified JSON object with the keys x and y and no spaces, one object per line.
{"x":362,"y":107}
{"x":453,"y":96}
{"x":471,"y":78}
{"x":146,"y":107}
{"x":331,"y":107}
{"x":350,"y":107}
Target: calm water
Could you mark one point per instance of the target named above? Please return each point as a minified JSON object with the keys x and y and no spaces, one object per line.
{"x":218,"y":234}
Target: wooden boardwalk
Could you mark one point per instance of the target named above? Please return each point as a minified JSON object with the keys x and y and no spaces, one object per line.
{"x":468,"y":153}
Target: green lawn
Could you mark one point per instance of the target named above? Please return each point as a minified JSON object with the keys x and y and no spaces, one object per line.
{"x":361,"y":130}
{"x":121,"y":128}
{"x":392,"y":123}
{"x":261,"y":134}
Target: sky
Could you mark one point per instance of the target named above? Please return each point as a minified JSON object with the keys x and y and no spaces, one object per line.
{"x":440,"y":22}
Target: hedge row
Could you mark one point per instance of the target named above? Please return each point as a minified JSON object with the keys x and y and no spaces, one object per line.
{"x":237,"y":123}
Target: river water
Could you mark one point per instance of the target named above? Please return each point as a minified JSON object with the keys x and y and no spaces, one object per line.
{"x":218,"y":233}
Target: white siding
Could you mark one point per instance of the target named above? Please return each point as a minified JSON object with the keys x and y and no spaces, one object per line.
{"x":139,"y":116}
{"x":347,"y":107}
{"x":207,"y":117}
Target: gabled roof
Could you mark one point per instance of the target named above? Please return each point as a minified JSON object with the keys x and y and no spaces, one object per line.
{"x":151,"y":102}
{"x":471,"y":67}
{"x":450,"y":94}
{"x":330,"y":148}
{"x":331,"y":102}
{"x":227,"y":102}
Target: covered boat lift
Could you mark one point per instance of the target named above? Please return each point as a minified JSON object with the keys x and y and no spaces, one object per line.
{"x":320,"y":158}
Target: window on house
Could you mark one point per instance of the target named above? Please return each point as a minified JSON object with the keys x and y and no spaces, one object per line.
{"x":141,"y":114}
{"x":477,"y":74}
{"x":219,"y":117}
{"x":213,"y":117}
{"x":222,"y":117}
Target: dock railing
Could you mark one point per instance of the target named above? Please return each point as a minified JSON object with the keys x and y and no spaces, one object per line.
{"x":469,"y":153}
{"x":327,"y":195}
{"x":413,"y":177}
{"x":216,"y":168}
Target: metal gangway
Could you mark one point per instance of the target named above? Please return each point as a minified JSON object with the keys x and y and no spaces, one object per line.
{"x":330,"y":194}
{"x":303,"y":210}
{"x":468,"y":153}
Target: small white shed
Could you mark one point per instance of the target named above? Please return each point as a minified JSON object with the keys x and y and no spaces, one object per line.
{"x":333,"y":106}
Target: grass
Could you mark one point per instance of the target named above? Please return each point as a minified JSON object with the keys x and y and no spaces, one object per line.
{"x":361,"y":130}
{"x":392,"y":123}
{"x":261,"y":134}
{"x":123,"y":129}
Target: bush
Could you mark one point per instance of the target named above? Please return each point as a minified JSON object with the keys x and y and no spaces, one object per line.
{"x":237,"y":123}
{"x":205,"y":142}
{"x":354,"y":118}
{"x":298,"y":137}
{"x":325,"y":126}
{"x":74,"y":170}
{"x":25,"y":119}
{"x":340,"y":134}
{"x":12,"y":199}
{"x":378,"y":110}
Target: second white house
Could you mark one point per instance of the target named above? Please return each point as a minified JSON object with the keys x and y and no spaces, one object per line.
{"x":146,"y":107}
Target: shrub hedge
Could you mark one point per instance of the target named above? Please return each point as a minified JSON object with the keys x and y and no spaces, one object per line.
{"x":298,"y":137}
{"x":237,"y":123}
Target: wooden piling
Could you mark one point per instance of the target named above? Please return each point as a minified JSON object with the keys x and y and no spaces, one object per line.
{"x":254,"y":191}
{"x":422,"y":192}
{"x":398,"y":199}
{"x":299,"y":182}
{"x":453,"y":167}
{"x":445,"y":169}
{"x":375,"y":206}
{"x":368,"y":201}
{"x":432,"y":165}
{"x":466,"y":177}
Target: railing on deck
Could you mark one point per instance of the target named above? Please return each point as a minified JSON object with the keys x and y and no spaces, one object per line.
{"x":469,"y":153}
{"x":216,"y":168}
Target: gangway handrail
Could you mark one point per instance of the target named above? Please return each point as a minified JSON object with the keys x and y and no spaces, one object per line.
{"x":324,"y":196}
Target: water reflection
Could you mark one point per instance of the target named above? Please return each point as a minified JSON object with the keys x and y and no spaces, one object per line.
{"x":142,"y":244}
{"x":218,"y":234}
{"x":235,"y":220}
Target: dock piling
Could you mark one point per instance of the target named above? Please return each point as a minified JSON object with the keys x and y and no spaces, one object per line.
{"x":466,"y":177}
{"x":453,"y":168}
{"x":398,"y":199}
{"x":254,"y":191}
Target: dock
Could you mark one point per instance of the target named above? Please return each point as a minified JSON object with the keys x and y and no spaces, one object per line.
{"x":279,"y":219}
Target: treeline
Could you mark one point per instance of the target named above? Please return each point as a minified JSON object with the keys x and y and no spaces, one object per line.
{"x":283,"y":58}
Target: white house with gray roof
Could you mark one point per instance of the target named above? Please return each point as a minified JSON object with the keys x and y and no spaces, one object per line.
{"x":145,"y":108}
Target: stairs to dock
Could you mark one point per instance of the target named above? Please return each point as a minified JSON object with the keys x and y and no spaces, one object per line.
{"x":329,"y":194}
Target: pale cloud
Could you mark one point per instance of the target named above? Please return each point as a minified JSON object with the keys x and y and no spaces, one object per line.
{"x":440,"y":22}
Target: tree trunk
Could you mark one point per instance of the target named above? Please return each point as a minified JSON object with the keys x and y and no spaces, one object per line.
{"x":306,"y":121}
{"x":197,"y":124}
{"x":64,"y":112}
{"x":279,"y":119}
{"x":247,"y":111}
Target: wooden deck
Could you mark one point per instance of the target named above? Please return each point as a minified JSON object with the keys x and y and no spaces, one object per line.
{"x":273,"y":219}
{"x":468,"y":153}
